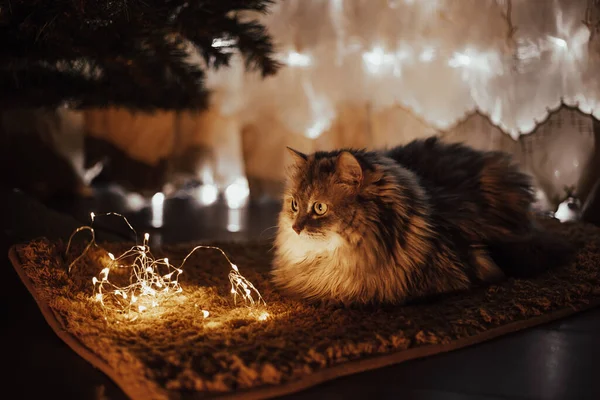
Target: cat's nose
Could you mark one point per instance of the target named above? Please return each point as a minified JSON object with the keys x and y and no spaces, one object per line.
{"x":297,"y":228}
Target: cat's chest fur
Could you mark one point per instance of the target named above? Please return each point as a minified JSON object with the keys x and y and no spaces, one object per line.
{"x":315,"y":267}
{"x":315,"y":253}
{"x":331,"y":268}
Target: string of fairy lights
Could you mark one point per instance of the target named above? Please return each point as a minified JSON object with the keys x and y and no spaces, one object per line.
{"x":152,"y":281}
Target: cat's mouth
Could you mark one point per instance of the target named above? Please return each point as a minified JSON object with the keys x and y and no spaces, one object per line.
{"x":310,"y":235}
{"x":316,"y":238}
{"x":312,"y":239}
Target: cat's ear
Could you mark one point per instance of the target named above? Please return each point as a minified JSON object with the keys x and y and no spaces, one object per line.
{"x":348,"y":169}
{"x":298,"y":157}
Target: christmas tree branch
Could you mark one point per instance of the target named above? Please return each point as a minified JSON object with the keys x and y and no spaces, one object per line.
{"x":130,"y":53}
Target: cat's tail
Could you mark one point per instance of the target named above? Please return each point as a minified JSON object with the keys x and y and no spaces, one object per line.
{"x":529,"y":256}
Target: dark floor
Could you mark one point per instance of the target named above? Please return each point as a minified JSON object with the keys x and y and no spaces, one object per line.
{"x":555,"y":361}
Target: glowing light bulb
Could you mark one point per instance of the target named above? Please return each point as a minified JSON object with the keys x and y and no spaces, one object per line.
{"x":459,"y":60}
{"x":427,"y":55}
{"x":477,"y":65}
{"x":134,"y":201}
{"x":558,"y":42}
{"x":205,"y":313}
{"x":263,"y":316}
{"x":158,"y":201}
{"x":296,"y":59}
{"x":207,"y":194}
{"x":376,"y":58}
{"x":237,"y":193}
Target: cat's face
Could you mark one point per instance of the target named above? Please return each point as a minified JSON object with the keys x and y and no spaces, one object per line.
{"x":319,"y":203}
{"x":312,"y":210}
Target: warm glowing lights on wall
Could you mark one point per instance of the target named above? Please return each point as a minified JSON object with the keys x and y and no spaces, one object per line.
{"x":417,"y":49}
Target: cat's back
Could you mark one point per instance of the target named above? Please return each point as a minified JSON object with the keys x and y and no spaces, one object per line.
{"x":485,"y":190}
{"x":439,"y":163}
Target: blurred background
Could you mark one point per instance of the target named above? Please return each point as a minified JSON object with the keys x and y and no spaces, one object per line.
{"x":519,"y":76}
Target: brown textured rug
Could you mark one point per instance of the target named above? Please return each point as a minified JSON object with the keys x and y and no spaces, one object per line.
{"x":175,"y":352}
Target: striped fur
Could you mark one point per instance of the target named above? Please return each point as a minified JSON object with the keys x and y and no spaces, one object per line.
{"x":401,"y":224}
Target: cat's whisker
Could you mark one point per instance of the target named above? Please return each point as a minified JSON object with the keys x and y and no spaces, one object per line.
{"x":272,"y":248}
{"x":265,"y":230}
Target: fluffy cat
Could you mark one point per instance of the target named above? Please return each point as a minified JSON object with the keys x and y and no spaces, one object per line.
{"x":417,"y":220}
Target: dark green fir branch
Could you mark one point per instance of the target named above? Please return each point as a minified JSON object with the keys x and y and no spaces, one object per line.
{"x":124,"y":53}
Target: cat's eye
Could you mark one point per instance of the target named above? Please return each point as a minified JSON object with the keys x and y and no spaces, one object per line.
{"x":294,"y":205}
{"x":320,"y":208}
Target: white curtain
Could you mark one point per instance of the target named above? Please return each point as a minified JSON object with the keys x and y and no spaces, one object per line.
{"x":514,"y":61}
{"x":381,"y":72}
